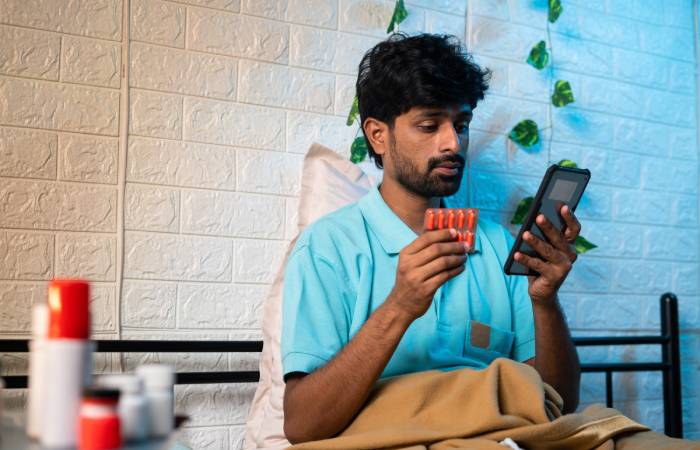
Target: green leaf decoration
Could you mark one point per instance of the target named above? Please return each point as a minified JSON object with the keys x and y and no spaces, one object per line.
{"x":582,"y":245}
{"x":562,"y":95}
{"x":567,"y":163}
{"x":539,"y":57}
{"x":399,"y":15}
{"x":525,"y":133}
{"x":354,"y":112}
{"x":358,"y":150}
{"x":554,"y":10}
{"x":521,"y":210}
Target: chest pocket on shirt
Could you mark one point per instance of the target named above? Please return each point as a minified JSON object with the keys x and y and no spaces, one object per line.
{"x":487,"y":343}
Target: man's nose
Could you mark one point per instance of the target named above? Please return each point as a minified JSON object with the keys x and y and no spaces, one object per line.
{"x":451,"y":139}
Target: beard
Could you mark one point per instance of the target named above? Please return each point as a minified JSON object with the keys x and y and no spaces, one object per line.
{"x":426,"y":184}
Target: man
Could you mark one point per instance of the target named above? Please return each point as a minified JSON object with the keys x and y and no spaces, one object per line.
{"x":369,"y":295}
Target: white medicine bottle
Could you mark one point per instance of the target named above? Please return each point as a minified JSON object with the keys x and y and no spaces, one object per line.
{"x":158,"y":381}
{"x":132,"y":408}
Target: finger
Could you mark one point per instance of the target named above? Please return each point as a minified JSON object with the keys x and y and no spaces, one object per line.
{"x":556,"y":238}
{"x":437,"y":250}
{"x":430,"y":237}
{"x":442,"y":264}
{"x":441,"y":278}
{"x":573,"y":226}
{"x":546,"y":251}
{"x":531,"y":262}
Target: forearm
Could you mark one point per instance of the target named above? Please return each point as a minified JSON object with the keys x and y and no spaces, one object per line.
{"x":557,"y":360}
{"x":323,"y":403}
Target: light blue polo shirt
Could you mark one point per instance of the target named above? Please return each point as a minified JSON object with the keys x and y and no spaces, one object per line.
{"x":343,"y":267}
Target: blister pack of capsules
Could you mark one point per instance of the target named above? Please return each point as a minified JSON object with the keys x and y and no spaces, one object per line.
{"x":463,"y":220}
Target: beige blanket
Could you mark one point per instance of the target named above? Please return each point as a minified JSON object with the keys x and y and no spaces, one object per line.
{"x":474,"y":409}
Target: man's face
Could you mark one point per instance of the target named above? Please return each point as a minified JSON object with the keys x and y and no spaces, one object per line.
{"x":427,"y":150}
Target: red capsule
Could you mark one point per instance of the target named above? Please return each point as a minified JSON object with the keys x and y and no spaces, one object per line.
{"x":451,"y":219}
{"x":460,"y":219}
{"x":429,"y":220}
{"x":471,"y":219}
{"x":440,"y":219}
{"x":469,"y":239}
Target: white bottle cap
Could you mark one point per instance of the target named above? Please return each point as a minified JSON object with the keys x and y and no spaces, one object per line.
{"x":126,"y":383}
{"x":156,"y":376}
{"x":40,"y":321}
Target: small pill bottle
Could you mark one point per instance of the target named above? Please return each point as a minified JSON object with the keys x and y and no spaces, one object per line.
{"x":132,"y":408}
{"x":98,"y":422}
{"x":158,"y":382}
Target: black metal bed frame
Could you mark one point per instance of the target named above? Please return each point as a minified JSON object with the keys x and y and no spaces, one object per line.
{"x":668,"y":339}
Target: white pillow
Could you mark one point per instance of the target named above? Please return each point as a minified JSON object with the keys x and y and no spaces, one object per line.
{"x":329,"y":182}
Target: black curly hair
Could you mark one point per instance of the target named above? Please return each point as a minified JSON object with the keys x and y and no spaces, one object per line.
{"x":426,"y":70}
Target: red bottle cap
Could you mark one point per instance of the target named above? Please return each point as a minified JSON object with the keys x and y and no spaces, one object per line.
{"x":69,"y":311}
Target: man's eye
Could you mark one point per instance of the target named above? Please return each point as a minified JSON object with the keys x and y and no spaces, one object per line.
{"x":428,"y":128}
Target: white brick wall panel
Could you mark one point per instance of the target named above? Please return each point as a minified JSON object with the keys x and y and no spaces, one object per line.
{"x":608,"y":166}
{"x":99,"y":18}
{"x":157,"y":115}
{"x":27,"y":153}
{"x":88,"y":159}
{"x":496,"y":191}
{"x":275,"y":85}
{"x":669,"y":175}
{"x":503,"y":40}
{"x":365,"y":16}
{"x":573,"y":55}
{"x":495,"y":9}
{"x":344,"y":94}
{"x":220,"y":306}
{"x":640,"y":277}
{"x":682,"y":77}
{"x":158,"y":22}
{"x":210,"y":121}
{"x":349,"y":50}
{"x":529,"y":84}
{"x":274,"y":9}
{"x":499,"y":114}
{"x":257,"y":261}
{"x":685,"y":279}
{"x":525,"y":163}
{"x":487,"y":151}
{"x":304,"y":129}
{"x":615,"y":240}
{"x":151,"y":208}
{"x":574,"y":126}
{"x":39,"y":104}
{"x":458,"y":7}
{"x":214,"y":404}
{"x":642,"y":68}
{"x":226,"y":5}
{"x":29,"y":53}
{"x":318,"y":13}
{"x":414,"y":23}
{"x":234,"y":35}
{"x":642,"y":137}
{"x":86,"y":256}
{"x":172,"y":70}
{"x":657,"y":208}
{"x":17,"y":301}
{"x":671,"y":244}
{"x":205,"y":438}
{"x":683,"y":143}
{"x":672,"y":42}
{"x":670,"y":108}
{"x":183,"y":362}
{"x":618,"y":313}
{"x":438,"y":22}
{"x":89,"y":61}
{"x":232,"y":214}
{"x":269,"y":172}
{"x":48,"y":205}
{"x":685,"y":212}
{"x":499,"y":83}
{"x":313,"y":48}
{"x":26,"y":256}
{"x":610,"y":96}
{"x":181,"y":164}
{"x":168,"y":257}
{"x":102,"y":308}
{"x":148,"y":304}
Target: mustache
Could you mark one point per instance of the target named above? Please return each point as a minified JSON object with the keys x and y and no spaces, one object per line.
{"x":434,"y":162}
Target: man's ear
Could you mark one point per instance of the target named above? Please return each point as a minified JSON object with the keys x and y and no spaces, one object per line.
{"x":377,"y":133}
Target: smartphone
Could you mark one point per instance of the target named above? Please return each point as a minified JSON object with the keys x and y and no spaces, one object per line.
{"x":560,"y":186}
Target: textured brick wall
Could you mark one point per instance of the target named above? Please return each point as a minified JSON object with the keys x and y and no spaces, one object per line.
{"x":225,"y":96}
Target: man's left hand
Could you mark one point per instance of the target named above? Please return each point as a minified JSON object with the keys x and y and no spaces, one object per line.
{"x":556,"y":259}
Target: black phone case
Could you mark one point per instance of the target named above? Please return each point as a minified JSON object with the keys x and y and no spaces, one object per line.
{"x":512,"y":267}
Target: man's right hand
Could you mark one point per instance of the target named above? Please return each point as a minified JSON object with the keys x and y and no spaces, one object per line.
{"x":424,"y":265}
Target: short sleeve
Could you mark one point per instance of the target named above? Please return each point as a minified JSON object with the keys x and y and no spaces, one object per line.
{"x":523,"y":320}
{"x":315,"y":317}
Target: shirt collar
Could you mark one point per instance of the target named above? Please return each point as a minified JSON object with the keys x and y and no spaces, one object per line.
{"x":392,"y":232}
